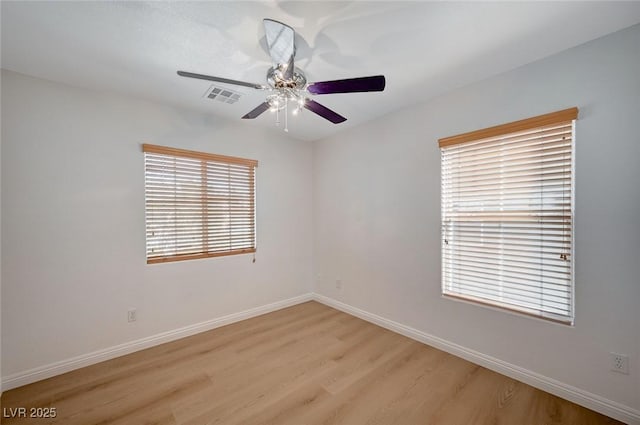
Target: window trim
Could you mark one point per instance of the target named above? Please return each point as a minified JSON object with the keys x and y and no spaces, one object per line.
{"x":165,"y":150}
{"x":202,"y":156}
{"x":566,"y":115}
{"x":569,"y":114}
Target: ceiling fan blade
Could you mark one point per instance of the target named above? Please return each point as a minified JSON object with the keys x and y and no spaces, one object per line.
{"x":221,"y":80}
{"x":287,"y":72}
{"x":350,"y":85}
{"x":281,"y":43}
{"x":257,"y":111}
{"x":323,"y":111}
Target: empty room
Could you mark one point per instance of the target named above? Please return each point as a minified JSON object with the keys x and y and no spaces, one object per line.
{"x":319,"y":212}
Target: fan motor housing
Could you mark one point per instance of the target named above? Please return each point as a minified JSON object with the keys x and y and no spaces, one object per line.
{"x":276,"y":80}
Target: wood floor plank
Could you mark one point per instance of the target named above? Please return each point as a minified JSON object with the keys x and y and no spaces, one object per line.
{"x":287,"y":403}
{"x":304,"y":365}
{"x":359,"y":401}
{"x":254,"y":386}
{"x":159,"y":357}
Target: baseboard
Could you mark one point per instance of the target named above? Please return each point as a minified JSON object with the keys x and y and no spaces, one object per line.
{"x":583,"y":398}
{"x":57,"y":368}
{"x":576,"y":395}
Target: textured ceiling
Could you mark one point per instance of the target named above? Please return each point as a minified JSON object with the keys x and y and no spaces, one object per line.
{"x":423,"y":48}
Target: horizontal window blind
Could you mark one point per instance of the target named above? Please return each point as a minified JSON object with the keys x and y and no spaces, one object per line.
{"x":197,"y":205}
{"x":507,"y":217}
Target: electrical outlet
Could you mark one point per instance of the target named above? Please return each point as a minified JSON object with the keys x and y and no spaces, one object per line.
{"x":619,"y":363}
{"x":132,"y":315}
{"x":338,"y":284}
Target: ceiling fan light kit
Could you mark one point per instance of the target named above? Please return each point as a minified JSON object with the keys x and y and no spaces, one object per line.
{"x":287,"y":85}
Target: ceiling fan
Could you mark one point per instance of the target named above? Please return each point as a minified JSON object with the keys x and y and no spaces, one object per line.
{"x":288,"y":84}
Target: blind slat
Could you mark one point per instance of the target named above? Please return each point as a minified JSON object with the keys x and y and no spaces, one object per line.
{"x":197,"y":205}
{"x":507,"y":216}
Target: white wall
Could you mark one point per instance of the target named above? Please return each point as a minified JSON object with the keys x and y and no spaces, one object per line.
{"x":73,"y":223}
{"x":73,"y":239}
{"x":0,"y":243}
{"x":377,"y":216}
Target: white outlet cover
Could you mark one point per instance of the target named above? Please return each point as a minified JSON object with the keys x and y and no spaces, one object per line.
{"x":619,"y":363}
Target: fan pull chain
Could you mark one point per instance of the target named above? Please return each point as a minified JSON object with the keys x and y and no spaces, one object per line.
{"x":286,"y":115}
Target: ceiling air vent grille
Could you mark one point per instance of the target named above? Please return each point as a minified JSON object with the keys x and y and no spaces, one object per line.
{"x":223,"y":95}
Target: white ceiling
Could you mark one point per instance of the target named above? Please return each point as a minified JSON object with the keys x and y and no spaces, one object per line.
{"x":423,"y":48}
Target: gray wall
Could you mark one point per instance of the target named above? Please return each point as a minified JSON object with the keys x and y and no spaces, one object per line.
{"x":73,"y":238}
{"x":377,"y":216}
{"x":73,"y":257}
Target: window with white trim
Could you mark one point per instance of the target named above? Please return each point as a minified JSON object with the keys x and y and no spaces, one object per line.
{"x":198,"y":205}
{"x":507,"y":216}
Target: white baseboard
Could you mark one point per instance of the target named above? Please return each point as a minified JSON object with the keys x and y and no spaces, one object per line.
{"x":584,"y":398}
{"x":576,"y":395}
{"x":57,"y":368}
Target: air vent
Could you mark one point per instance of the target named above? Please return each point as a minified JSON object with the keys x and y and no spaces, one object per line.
{"x":223,"y":95}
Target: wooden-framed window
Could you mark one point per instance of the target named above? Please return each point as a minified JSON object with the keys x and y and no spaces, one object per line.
{"x":507,"y":216}
{"x":198,"y":205}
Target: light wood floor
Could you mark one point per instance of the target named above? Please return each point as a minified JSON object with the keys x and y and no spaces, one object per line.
{"x":307,"y":364}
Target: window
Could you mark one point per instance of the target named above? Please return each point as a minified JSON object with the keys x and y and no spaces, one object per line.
{"x":197,"y":204}
{"x":507,"y":216}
